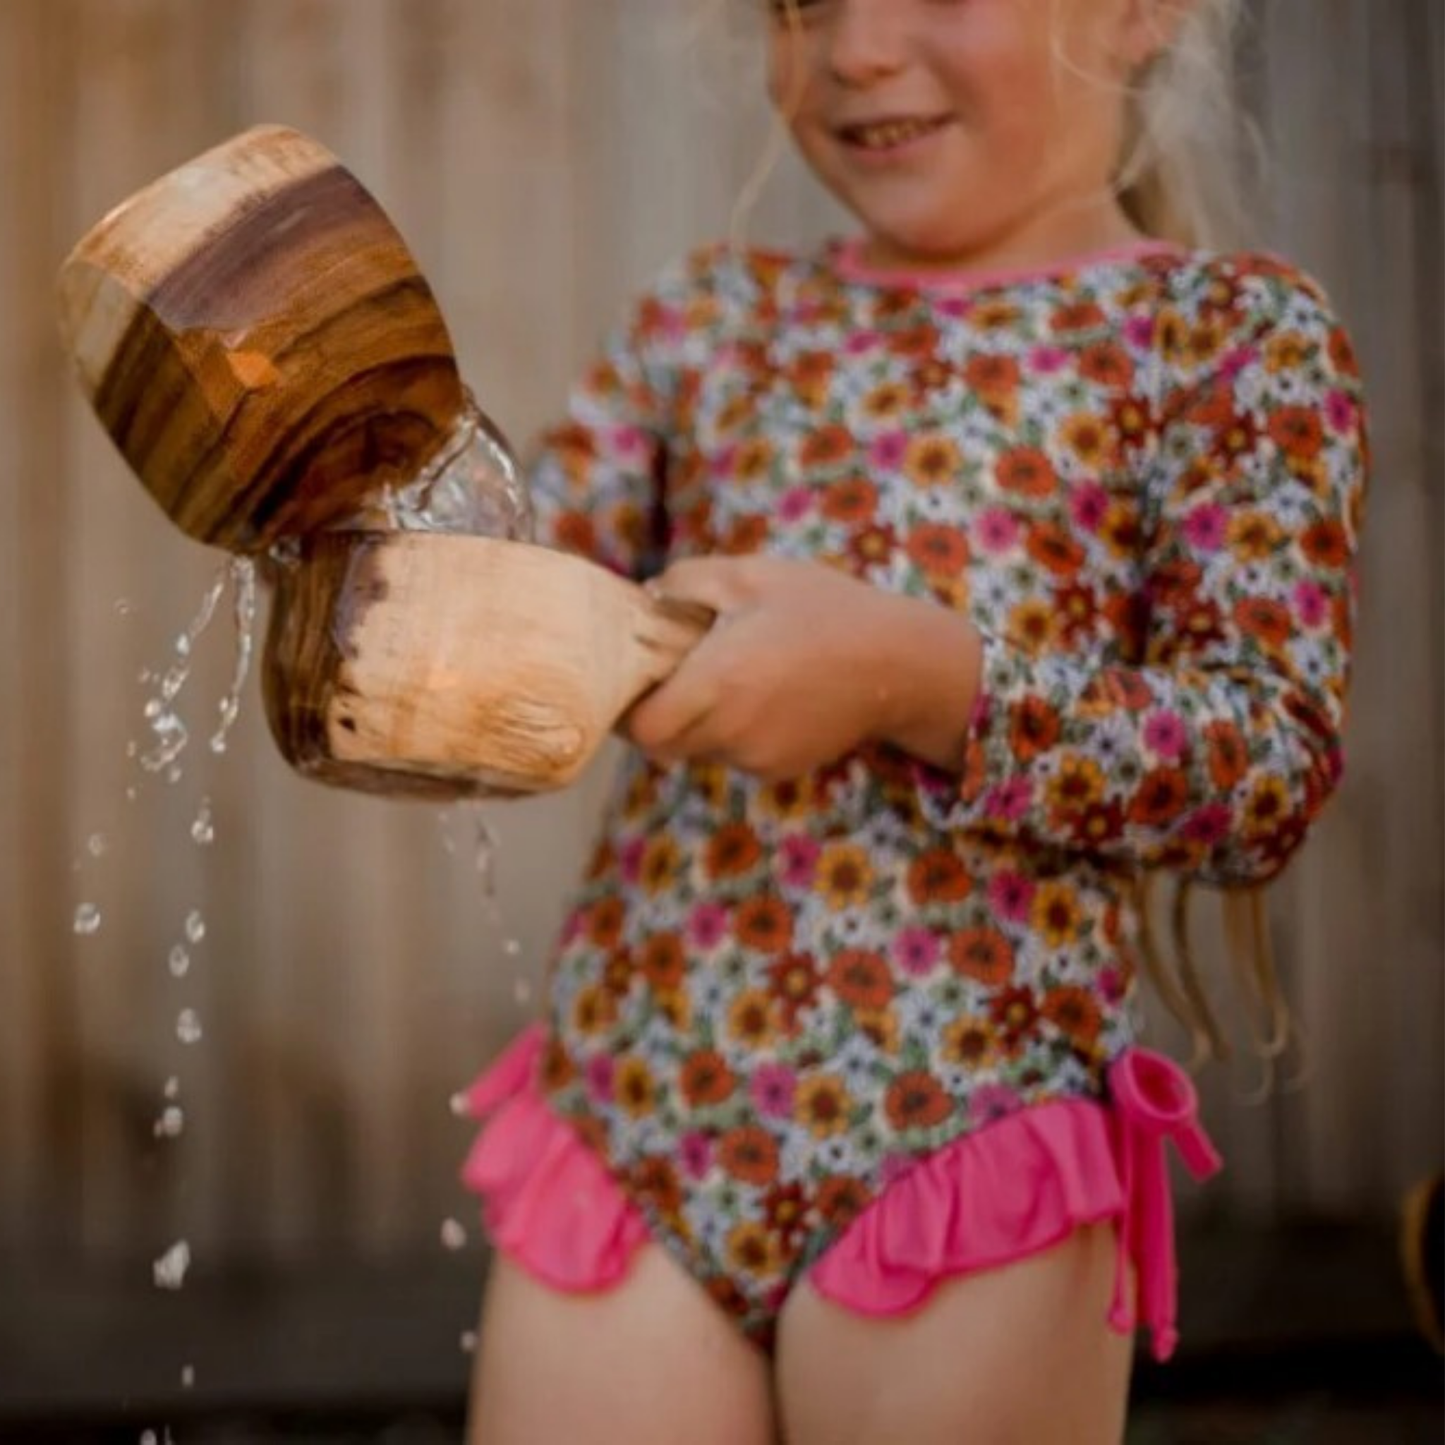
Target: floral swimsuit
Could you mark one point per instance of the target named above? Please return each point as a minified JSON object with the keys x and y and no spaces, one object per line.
{"x":775,"y":1007}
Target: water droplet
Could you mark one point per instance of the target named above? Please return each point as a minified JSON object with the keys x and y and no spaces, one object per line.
{"x":174,"y":776}
{"x":512,"y":947}
{"x":148,"y":1437}
{"x":179,"y":962}
{"x":188,"y":1376}
{"x":203,"y":830}
{"x":154,"y":707}
{"x":458,"y":1105}
{"x":188,"y":1027}
{"x":96,"y":844}
{"x":171,"y":1122}
{"x":123,"y":607}
{"x":87,"y":919}
{"x":170,"y":1269}
{"x":195,"y":926}
{"x":130,"y":795}
{"x":173,"y":1087}
{"x":522,"y":991}
{"x":453,"y":1235}
{"x":469,"y":1342}
{"x":132,"y":748}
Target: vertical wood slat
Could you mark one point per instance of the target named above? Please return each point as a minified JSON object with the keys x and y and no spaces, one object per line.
{"x":543,"y":158}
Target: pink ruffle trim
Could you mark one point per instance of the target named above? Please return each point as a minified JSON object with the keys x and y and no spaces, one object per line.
{"x":1006,"y":1192}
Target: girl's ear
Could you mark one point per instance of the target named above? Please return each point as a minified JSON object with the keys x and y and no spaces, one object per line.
{"x":1150,"y":28}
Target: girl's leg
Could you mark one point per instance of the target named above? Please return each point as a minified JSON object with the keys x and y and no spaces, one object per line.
{"x":650,"y":1362}
{"x":1016,"y":1354}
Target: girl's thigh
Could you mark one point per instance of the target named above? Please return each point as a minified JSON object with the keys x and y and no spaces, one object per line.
{"x":650,"y":1362}
{"x":1016,"y":1354}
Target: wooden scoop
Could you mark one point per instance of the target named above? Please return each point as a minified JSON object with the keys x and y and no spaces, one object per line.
{"x":451,"y":666}
{"x":257,"y":340}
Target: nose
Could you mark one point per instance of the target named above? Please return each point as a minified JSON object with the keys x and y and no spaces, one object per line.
{"x":865,"y":42}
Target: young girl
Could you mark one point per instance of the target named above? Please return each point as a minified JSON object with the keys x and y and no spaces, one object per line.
{"x":1029,"y":526}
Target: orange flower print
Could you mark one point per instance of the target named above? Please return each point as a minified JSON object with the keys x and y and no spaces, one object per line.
{"x":1286,"y":351}
{"x":752,"y":1249}
{"x":1108,"y":364}
{"x":1078,"y":784}
{"x":822,"y":1105}
{"x":1160,"y":798}
{"x":1032,"y":624}
{"x":811,"y":374}
{"x":937,"y":550}
{"x":916,"y":1100}
{"x":593,"y":1010}
{"x":938,"y":876}
{"x":794,"y":980}
{"x":1228,"y":759}
{"x":971,"y":1042}
{"x":885,"y":402}
{"x":789,"y":798}
{"x":785,"y":1207}
{"x":861,"y":979}
{"x":660,"y":861}
{"x":603,"y":922}
{"x":732,"y":851}
{"x":852,"y":501}
{"x":1077,"y":316}
{"x":1053,"y":547}
{"x":880,"y":1028}
{"x":1056,"y":914}
{"x":840,"y":1200}
{"x":826,"y":447}
{"x":845,"y":876}
{"x":706,"y":1078}
{"x":656,"y":1180}
{"x":751,"y":1019}
{"x":749,"y":1154}
{"x":1026,"y":472}
{"x":1073,"y":1011}
{"x":1089,"y":437}
{"x":991,"y":375}
{"x":1033,"y":728}
{"x":1267,"y":808}
{"x":1299,"y":434}
{"x":1326,"y":545}
{"x":932,"y":460}
{"x":982,"y":954}
{"x":1013,"y":1012}
{"x":575,"y":532}
{"x":1266,"y":621}
{"x":1077,"y":609}
{"x":754,"y":460}
{"x":764,"y":923}
{"x":635,"y":1089}
{"x":746,"y":536}
{"x":1254,"y":536}
{"x":663,"y":962}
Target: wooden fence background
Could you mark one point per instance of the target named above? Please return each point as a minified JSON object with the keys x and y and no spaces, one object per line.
{"x":543,"y":157}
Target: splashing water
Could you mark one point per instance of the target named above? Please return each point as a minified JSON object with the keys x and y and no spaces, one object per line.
{"x":179,"y":962}
{"x":87,"y":919}
{"x":454,"y":1236}
{"x":468,"y":1342}
{"x":243,"y":575}
{"x":170,"y":1269}
{"x":171,"y":734}
{"x":96,"y":845}
{"x":188,"y":1376}
{"x":195,"y":926}
{"x":203,"y":830}
{"x":171,"y":1122}
{"x":188,"y":1026}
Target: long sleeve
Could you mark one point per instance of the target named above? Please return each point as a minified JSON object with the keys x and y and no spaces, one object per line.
{"x":597,"y":478}
{"x":1213,"y":750}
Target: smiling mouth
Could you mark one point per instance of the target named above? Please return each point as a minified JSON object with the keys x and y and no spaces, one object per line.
{"x":883,"y":135}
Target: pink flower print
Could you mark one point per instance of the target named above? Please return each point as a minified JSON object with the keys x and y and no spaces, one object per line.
{"x":629,"y":859}
{"x":954,"y":307}
{"x":1009,"y":801}
{"x":599,"y":1073}
{"x":1209,"y":825}
{"x":862,"y":342}
{"x":1088,"y":506}
{"x":1048,"y":359}
{"x":627,"y":443}
{"x":1340,"y":412}
{"x":1204,"y":528}
{"x":1237,"y":360}
{"x":888,"y":450}
{"x":996,"y":531}
{"x":1165,"y":734}
{"x":795,"y":504}
{"x":1312,"y":604}
{"x":1012,"y":895}
{"x":1111,"y":985}
{"x":695,"y":1153}
{"x":772,"y":1088}
{"x":915,"y":950}
{"x":800,"y":860}
{"x":708,"y":925}
{"x":993,"y":1101}
{"x":1139,"y":332}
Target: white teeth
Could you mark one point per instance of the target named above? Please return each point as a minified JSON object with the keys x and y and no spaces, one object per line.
{"x":890,"y":133}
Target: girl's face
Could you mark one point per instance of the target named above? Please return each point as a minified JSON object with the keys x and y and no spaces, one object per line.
{"x":965,"y":131}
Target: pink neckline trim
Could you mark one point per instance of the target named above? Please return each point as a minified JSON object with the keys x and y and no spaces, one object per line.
{"x":852,"y":267}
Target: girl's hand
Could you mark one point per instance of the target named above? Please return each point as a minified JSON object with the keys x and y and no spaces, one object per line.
{"x":803,"y":665}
